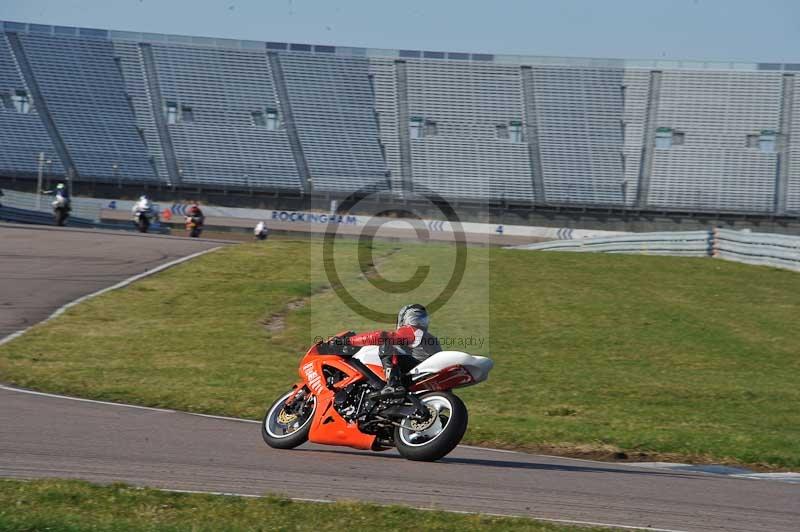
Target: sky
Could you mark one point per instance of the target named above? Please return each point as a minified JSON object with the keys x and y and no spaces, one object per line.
{"x":739,"y":30}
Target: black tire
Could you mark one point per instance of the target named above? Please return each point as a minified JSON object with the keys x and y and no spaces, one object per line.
{"x":445,"y":441}
{"x":288,"y":441}
{"x":61,"y":217}
{"x":143,"y":224}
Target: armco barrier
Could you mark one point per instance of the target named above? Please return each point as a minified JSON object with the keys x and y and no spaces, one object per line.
{"x":685,"y":243}
{"x":92,"y":208}
{"x":81,"y":208}
{"x":28,"y":216}
{"x":778,"y":251}
{"x":20,"y":207}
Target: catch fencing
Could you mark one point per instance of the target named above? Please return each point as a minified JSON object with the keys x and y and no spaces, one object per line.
{"x":764,"y":249}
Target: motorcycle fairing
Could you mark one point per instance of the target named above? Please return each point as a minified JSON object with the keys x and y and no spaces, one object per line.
{"x":327,"y":426}
{"x":446,"y":379}
{"x":444,"y":362}
{"x":442,"y":371}
{"x":370,"y":355}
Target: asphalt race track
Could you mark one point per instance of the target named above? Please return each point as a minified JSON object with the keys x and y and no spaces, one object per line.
{"x":48,"y":436}
{"x":42,"y":268}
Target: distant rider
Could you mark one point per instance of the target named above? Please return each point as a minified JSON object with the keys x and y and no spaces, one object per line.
{"x":143,"y":206}
{"x":194,"y":211}
{"x":261,"y":231}
{"x":402,"y":349}
{"x":61,"y":204}
{"x":62,"y":195}
{"x":194,"y":220}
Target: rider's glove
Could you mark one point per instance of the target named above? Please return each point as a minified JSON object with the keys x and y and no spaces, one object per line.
{"x":338,"y":345}
{"x":343,"y":339}
{"x":343,"y":344}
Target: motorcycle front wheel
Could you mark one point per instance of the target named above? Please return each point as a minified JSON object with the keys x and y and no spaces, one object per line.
{"x":286,"y":427}
{"x":431,"y":440}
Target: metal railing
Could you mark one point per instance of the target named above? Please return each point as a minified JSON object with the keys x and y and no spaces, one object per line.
{"x":684,"y":243}
{"x":764,"y":249}
{"x":778,"y":251}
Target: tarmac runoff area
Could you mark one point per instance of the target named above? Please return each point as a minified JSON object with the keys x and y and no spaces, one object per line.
{"x":49,"y":436}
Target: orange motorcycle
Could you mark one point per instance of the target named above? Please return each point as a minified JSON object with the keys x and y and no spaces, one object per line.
{"x":336,"y":402}
{"x":194,"y":225}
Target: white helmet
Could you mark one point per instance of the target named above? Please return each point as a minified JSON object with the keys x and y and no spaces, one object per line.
{"x":415,"y":315}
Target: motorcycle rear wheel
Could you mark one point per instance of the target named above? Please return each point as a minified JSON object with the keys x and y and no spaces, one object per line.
{"x":280,"y":430}
{"x":440,"y":435}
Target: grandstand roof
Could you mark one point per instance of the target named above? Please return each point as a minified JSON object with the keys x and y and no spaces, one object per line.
{"x":350,"y":51}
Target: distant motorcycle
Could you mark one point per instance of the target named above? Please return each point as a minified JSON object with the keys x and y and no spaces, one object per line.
{"x":61,"y":209}
{"x":144,"y":215}
{"x":194,"y":225}
{"x":261,"y":231}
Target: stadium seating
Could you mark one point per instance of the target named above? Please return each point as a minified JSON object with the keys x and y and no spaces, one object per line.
{"x":22,"y":135}
{"x":84,"y":91}
{"x":221,"y":113}
{"x":793,"y":151}
{"x":714,"y":167}
{"x":220,"y":144}
{"x":459,"y":153}
{"x":335,"y":116}
{"x":580,"y":134}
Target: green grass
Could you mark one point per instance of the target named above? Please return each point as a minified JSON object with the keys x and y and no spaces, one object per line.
{"x":657,"y":357}
{"x":73,"y":506}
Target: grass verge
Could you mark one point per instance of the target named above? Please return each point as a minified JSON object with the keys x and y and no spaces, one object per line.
{"x":74,"y":506}
{"x":604,"y":356}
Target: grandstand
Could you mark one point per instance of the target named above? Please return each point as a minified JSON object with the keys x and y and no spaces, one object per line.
{"x":534,"y":132}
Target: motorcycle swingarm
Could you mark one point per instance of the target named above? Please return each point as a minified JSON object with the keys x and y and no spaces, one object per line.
{"x":399,"y":411}
{"x":416,"y":410}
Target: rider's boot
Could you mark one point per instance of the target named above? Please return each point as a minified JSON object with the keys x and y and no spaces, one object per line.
{"x":394,"y":383}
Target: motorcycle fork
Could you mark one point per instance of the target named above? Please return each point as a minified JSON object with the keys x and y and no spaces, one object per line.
{"x":299,"y":393}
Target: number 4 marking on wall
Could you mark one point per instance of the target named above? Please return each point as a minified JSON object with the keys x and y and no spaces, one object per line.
{"x":499,"y":230}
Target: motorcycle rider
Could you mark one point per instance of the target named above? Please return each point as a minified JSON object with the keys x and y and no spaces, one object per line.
{"x":400,"y":350}
{"x":143,"y":205}
{"x":62,"y":194}
{"x":261,"y":231}
{"x":143,"y":212}
{"x":194,"y":220}
{"x":194,"y":210}
{"x":62,"y":204}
